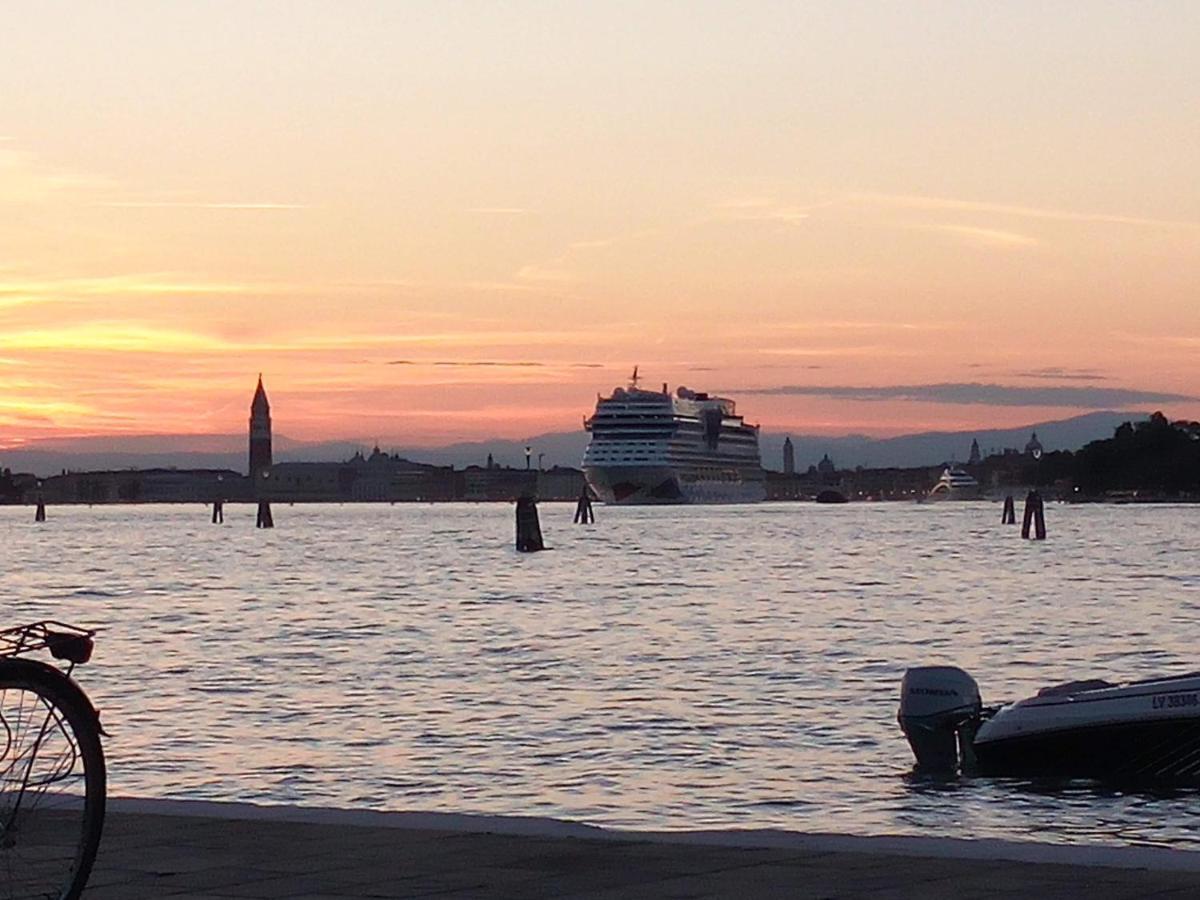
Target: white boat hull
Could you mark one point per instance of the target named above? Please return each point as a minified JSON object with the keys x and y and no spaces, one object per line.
{"x":1142,"y":731}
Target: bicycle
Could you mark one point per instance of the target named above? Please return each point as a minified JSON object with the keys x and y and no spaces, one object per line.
{"x":52,"y":777}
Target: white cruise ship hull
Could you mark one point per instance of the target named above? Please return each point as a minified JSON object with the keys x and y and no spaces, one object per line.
{"x":651,"y":447}
{"x":641,"y":485}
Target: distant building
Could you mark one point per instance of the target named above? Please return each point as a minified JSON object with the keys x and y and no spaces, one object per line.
{"x":260,"y":433}
{"x":826,"y":466}
{"x":308,"y":482}
{"x":1034,"y":447}
{"x":378,"y":477}
{"x":498,"y":483}
{"x":789,"y":457}
{"x":142,"y":486}
{"x":559,"y":483}
{"x":976,"y":457}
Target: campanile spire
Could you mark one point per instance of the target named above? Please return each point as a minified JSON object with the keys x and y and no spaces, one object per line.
{"x":260,"y":432}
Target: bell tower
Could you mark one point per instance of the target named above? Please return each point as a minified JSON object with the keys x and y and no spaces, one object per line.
{"x":260,"y":432}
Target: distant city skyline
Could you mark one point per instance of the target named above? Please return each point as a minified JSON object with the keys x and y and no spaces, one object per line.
{"x":556,"y":448}
{"x":429,"y":224}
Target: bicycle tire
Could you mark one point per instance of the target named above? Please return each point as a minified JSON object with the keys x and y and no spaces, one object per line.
{"x":50,"y":821}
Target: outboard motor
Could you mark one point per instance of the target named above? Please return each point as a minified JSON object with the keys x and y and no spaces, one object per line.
{"x":940,"y":708}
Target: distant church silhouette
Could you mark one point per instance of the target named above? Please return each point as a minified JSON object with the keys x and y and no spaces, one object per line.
{"x":260,"y":433}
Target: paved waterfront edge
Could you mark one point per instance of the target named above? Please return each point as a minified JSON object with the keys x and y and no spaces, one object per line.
{"x":1121,"y":857}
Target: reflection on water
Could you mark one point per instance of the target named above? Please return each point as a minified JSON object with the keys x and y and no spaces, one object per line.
{"x":668,"y":667}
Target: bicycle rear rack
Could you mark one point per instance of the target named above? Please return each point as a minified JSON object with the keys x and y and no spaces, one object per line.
{"x":69,"y":642}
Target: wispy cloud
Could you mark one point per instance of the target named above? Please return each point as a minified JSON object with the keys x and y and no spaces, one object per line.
{"x":26,"y":179}
{"x":986,"y":237}
{"x":1186,"y":341}
{"x":462,"y":340}
{"x":1058,"y":373}
{"x":861,"y":350}
{"x":813,"y":367}
{"x":252,"y":205}
{"x":864,"y":325}
{"x":110,"y":337}
{"x":499,"y":210}
{"x":949,"y":204}
{"x":488,"y":363}
{"x":18,"y":290}
{"x":506,"y":287}
{"x":981,"y":394}
{"x":485,"y":363}
{"x":42,"y":409}
{"x":545,"y":274}
{"x":759,"y":209}
{"x":141,"y":283}
{"x":134,"y":337}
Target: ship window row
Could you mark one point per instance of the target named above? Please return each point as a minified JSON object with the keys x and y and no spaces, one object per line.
{"x":630,"y":414}
{"x":611,"y":432}
{"x":617,"y":446}
{"x":700,"y":452}
{"x":697,"y":428}
{"x":712,"y":474}
{"x":612,"y":435}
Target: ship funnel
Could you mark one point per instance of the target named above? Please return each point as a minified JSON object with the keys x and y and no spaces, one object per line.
{"x":939,"y":711}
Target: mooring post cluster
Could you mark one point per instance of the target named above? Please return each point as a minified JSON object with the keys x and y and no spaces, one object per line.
{"x":264,"y":519}
{"x":529,"y":529}
{"x":583,"y":510}
{"x":1034,"y":515}
{"x":1009,"y":516}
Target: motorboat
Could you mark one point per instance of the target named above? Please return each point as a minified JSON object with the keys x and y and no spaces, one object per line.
{"x":1133,"y":731}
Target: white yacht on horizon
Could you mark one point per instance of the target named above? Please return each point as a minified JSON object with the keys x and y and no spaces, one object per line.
{"x":655,"y":447}
{"x":956,"y":484}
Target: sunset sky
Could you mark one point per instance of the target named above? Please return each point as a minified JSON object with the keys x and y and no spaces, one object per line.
{"x":426,"y":222}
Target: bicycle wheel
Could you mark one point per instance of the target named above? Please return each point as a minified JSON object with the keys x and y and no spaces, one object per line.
{"x":51,"y":784}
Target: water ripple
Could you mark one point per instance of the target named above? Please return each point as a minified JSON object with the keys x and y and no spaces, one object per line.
{"x":666,"y":668}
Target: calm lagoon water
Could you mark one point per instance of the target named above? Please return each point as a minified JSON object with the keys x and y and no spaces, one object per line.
{"x":665,"y":668}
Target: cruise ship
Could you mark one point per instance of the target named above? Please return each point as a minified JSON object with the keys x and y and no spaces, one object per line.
{"x":955,"y":484}
{"x":658,"y":447}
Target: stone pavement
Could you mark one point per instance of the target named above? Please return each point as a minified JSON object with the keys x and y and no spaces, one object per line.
{"x":209,"y":851}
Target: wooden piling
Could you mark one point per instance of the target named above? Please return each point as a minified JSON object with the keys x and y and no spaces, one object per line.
{"x":39,"y":514}
{"x":1034,"y":515}
{"x":264,"y":519}
{"x":583,"y":510}
{"x":529,"y":529}
{"x":218,"y":517}
{"x":1009,"y":516}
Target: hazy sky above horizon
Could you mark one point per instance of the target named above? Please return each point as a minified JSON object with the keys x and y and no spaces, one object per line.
{"x":434,"y":221}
